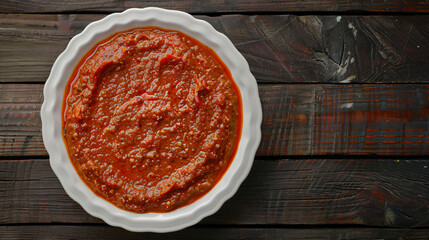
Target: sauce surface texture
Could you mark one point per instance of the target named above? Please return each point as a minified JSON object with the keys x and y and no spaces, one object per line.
{"x":151,"y":119}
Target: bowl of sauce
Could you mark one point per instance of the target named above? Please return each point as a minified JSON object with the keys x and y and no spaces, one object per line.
{"x":151,"y":119}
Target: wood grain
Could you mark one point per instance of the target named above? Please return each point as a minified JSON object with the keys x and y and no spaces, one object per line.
{"x":20,"y":124}
{"x":279,"y":48}
{"x":389,"y":193}
{"x":194,"y":6}
{"x":110,"y":233}
{"x":298,"y":119}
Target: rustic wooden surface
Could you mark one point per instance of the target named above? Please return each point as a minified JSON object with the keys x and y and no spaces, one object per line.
{"x":218,"y":6}
{"x":299,"y":119}
{"x":209,"y":233}
{"x":371,"y":192}
{"x":345,"y":94}
{"x":279,"y":48}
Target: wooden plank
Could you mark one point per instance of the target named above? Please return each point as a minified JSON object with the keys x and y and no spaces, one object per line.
{"x":279,"y":48}
{"x":110,"y":233}
{"x":389,"y":193}
{"x":299,"y":119}
{"x":194,"y":6}
{"x":20,"y":123}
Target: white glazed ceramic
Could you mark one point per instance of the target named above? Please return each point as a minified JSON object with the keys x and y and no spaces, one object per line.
{"x":51,"y":119}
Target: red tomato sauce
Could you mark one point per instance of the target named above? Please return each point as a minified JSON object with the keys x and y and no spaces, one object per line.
{"x":151,"y":119}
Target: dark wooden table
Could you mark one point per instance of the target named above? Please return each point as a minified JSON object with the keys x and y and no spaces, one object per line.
{"x":344,"y":87}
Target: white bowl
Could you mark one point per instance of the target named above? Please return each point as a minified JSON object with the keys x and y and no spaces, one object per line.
{"x":51,"y":119}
